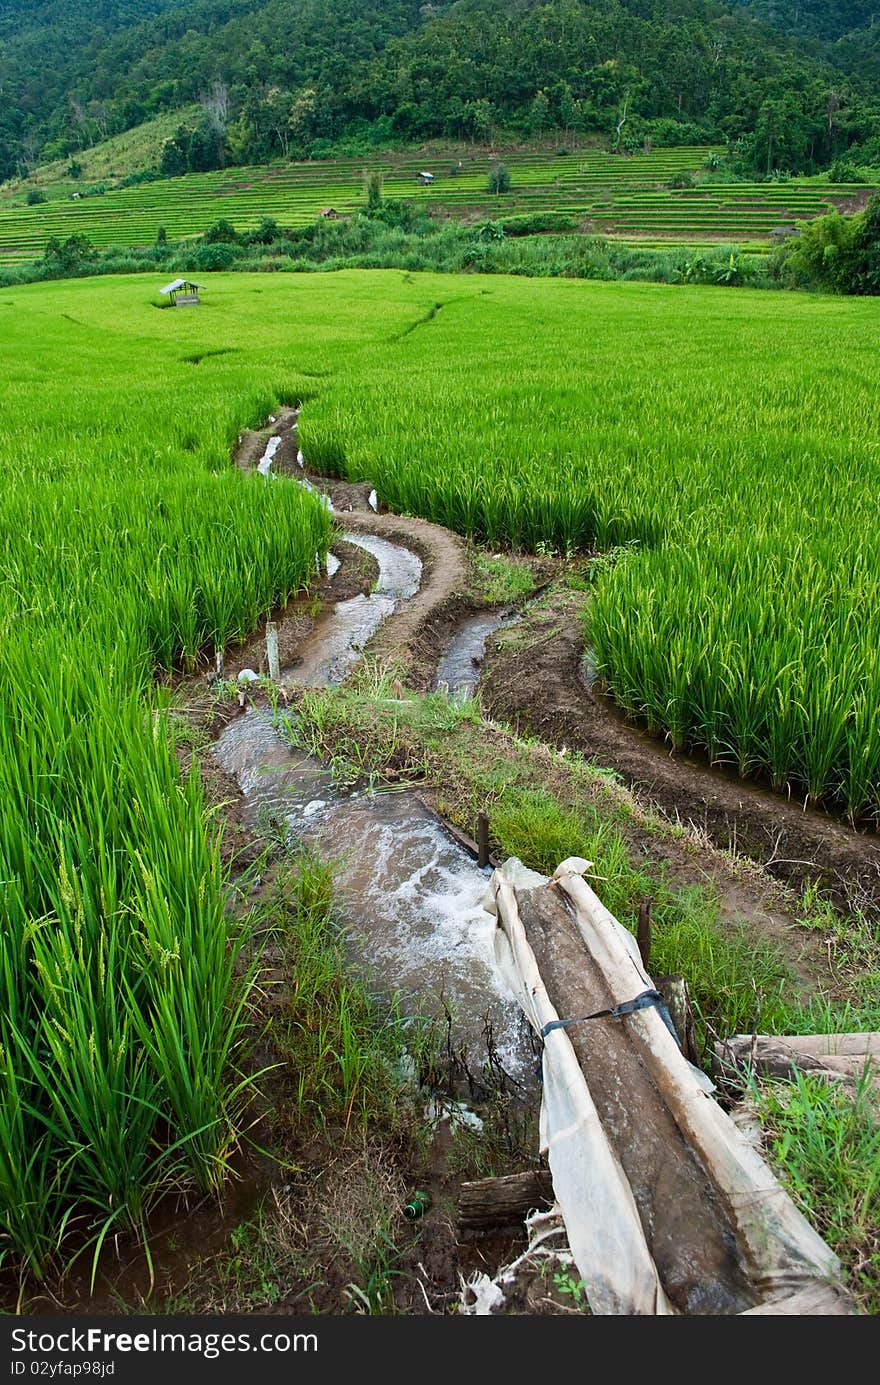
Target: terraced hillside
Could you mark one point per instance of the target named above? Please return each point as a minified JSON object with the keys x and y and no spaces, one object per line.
{"x":626,"y":197}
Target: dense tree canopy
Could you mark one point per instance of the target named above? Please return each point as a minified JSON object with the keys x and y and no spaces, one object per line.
{"x":288,"y":77}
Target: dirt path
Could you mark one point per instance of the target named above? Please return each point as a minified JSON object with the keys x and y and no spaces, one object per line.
{"x":410,"y":634}
{"x":533,"y":680}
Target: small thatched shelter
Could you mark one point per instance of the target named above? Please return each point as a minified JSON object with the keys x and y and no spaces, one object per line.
{"x":182,"y":292}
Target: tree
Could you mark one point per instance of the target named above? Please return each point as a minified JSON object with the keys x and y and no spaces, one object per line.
{"x":75,"y":255}
{"x":480,"y":117}
{"x":618,"y":129}
{"x":569,"y":110}
{"x":222,"y":232}
{"x":206,"y":148}
{"x":216,"y":104}
{"x":866,"y":257}
{"x":499,"y":179}
{"x":373,"y":187}
{"x":173,"y":160}
{"x":303,"y":115}
{"x":276,"y":114}
{"x":539,"y":112}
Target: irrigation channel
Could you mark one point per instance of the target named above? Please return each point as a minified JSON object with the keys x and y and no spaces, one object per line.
{"x":409,"y":896}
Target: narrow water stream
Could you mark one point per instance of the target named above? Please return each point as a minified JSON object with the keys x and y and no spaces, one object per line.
{"x":329,"y":654}
{"x":460,"y":666}
{"x":408,"y":897}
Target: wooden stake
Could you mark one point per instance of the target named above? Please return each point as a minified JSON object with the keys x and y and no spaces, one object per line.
{"x":643,"y":933}
{"x":218,"y":661}
{"x":482,"y":841}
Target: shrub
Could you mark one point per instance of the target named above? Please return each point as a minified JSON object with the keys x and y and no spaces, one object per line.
{"x":35,"y":197}
{"x":76,"y":255}
{"x":221,"y":233}
{"x":210,"y":257}
{"x":267,"y":233}
{"x":842,"y":171}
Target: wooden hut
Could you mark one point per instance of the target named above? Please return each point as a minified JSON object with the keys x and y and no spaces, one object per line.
{"x":182,"y":292}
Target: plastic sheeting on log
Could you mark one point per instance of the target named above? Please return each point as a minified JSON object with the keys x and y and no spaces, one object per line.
{"x":668,"y":1208}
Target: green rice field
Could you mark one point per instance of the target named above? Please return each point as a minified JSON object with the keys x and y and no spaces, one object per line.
{"x":129,"y":545}
{"x":722,"y":449}
{"x":610,"y":195}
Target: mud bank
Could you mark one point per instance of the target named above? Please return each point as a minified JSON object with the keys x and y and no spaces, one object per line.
{"x":534,"y":680}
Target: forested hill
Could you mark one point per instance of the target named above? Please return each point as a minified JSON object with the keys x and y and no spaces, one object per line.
{"x":823,"y":19}
{"x":846,"y":33}
{"x":291,"y":77}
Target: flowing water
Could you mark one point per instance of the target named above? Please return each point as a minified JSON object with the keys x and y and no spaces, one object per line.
{"x":459,"y":669}
{"x":332,"y":650}
{"x":408,"y":896}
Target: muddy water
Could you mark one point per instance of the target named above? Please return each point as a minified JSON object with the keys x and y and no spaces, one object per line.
{"x":276,"y":781}
{"x":408,"y":897}
{"x":328,"y":655}
{"x":459,"y":669}
{"x":265,"y":463}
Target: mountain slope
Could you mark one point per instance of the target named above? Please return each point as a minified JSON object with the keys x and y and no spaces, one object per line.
{"x":284,"y":76}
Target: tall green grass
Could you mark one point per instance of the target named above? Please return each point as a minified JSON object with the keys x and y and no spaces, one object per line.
{"x":729,"y":446}
{"x":129,"y":544}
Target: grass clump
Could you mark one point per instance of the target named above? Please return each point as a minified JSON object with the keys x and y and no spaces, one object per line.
{"x":824,"y":1139}
{"x":339,"y":1048}
{"x":502,"y":578}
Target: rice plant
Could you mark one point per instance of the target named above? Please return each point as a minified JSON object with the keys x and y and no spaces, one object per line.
{"x":130,"y":546}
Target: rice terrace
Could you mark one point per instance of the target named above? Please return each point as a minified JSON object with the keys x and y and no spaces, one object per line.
{"x":440,"y":611}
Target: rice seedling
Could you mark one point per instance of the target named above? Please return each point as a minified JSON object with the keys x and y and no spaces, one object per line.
{"x":121,"y":1005}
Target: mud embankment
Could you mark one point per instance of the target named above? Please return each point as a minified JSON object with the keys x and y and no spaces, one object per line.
{"x":533,"y":680}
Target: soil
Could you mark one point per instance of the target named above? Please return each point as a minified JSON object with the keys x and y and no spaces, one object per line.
{"x":532,"y":679}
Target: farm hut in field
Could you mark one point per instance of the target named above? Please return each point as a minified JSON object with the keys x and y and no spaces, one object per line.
{"x":425,"y":178}
{"x":330,"y":214}
{"x":182,"y":292}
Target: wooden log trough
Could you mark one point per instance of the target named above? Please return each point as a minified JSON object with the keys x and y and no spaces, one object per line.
{"x":667,"y":1206}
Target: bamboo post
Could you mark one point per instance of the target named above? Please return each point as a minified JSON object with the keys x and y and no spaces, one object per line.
{"x":218,"y":662}
{"x":272,"y":651}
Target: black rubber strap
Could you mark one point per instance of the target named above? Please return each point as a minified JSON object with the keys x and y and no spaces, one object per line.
{"x":647,"y":1000}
